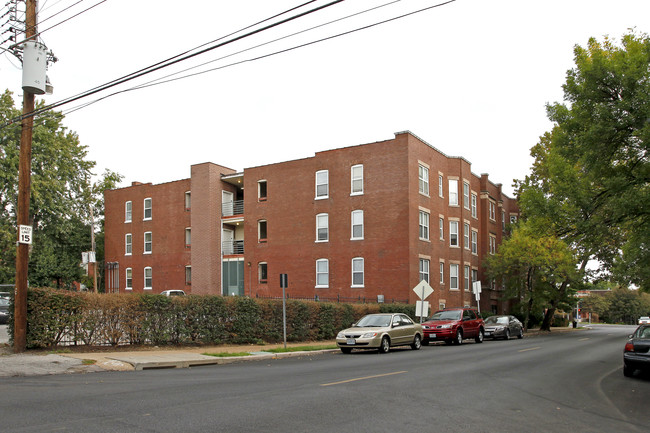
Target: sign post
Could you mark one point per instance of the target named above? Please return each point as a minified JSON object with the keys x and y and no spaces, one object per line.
{"x":284,"y":283}
{"x":423,"y":290}
{"x":476,"y":289}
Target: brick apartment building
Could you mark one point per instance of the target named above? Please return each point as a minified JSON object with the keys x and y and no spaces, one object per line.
{"x":367,"y":221}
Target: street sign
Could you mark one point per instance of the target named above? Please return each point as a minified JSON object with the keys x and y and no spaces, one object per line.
{"x":423,"y":290}
{"x":25,"y":235}
{"x":422,"y":308}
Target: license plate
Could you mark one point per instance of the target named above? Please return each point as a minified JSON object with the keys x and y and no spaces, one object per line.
{"x":432,"y":336}
{"x":488,"y":333}
{"x":350,"y":341}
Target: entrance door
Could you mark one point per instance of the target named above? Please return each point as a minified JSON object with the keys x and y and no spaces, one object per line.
{"x":228,"y":241}
{"x":227,"y":203}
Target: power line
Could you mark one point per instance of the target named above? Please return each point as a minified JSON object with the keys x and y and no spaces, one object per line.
{"x":175,"y":59}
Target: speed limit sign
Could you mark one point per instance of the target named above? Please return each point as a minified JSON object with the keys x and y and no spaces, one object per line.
{"x":25,"y":235}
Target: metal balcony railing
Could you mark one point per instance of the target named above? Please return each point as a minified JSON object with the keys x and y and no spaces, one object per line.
{"x":232,"y":208}
{"x":232,"y":247}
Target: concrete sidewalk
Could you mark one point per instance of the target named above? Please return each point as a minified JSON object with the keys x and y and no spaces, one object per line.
{"x":34,"y":363}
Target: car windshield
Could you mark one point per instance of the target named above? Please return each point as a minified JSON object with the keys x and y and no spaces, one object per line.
{"x":494,"y":320}
{"x":374,"y":321}
{"x":643,"y":332}
{"x":447,"y":315}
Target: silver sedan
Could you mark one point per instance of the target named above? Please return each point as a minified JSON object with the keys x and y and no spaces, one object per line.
{"x":503,"y":327}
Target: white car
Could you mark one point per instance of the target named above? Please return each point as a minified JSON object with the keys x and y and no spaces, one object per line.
{"x":644,"y":320}
{"x":173,"y":293}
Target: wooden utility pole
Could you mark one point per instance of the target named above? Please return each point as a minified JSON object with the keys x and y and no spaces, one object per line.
{"x":24,"y":193}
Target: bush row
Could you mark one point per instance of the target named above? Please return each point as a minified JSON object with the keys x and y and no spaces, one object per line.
{"x":59,"y":317}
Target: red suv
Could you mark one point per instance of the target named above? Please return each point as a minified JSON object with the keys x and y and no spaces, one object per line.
{"x":452,"y":325}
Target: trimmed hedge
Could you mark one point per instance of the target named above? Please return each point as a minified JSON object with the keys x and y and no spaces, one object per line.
{"x":58,"y":317}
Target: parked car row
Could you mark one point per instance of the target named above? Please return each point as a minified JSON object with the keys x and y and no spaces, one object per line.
{"x":636,"y":354}
{"x":452,"y":325}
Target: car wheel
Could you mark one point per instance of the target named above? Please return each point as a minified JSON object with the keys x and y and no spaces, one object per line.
{"x":480,"y":336}
{"x":346,"y":349}
{"x":385,"y":345}
{"x":521,"y":333}
{"x":459,"y":337}
{"x":417,"y":342}
{"x":628,"y":371}
{"x":507,"y":334}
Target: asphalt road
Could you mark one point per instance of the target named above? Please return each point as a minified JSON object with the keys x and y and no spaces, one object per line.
{"x":564,"y":382}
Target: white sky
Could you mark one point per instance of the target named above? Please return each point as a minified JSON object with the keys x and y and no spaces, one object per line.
{"x":471,"y":78}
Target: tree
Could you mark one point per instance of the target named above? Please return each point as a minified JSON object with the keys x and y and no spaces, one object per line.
{"x":590,"y":178}
{"x":536,"y":268}
{"x":61,"y":196}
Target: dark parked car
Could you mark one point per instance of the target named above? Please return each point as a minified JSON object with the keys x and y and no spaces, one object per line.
{"x":381,"y":331}
{"x":4,"y":310}
{"x":452,"y":325}
{"x":636,"y":355}
{"x":503,"y":327}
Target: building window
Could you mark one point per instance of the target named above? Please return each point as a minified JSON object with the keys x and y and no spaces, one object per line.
{"x":148,"y":278}
{"x":442,"y":273}
{"x":468,"y":285}
{"x":261,"y":231}
{"x":147,"y":242}
{"x":493,"y":244}
{"x":503,"y":220}
{"x":474,"y":242}
{"x":322,"y":273}
{"x":188,"y":236}
{"x":424,"y":225}
{"x":147,"y":209}
{"x":128,"y":244}
{"x":356,"y":179}
{"x":128,"y":211}
{"x":441,"y":228}
{"x":466,"y":232}
{"x":453,"y":276}
{"x":513,"y":219}
{"x":188,"y":200}
{"x":440,"y":191}
{"x":453,"y":233}
{"x":492,"y":207}
{"x":322,"y":227}
{"x":474,"y":210}
{"x":188,"y":275}
{"x":357,"y":272}
{"x":322,"y":184}
{"x":357,"y":224}
{"x":453,"y":192}
{"x":261,"y":190}
{"x":474,"y":276}
{"x":424,"y":270}
{"x":129,"y":279}
{"x":423,"y":179}
{"x":262,"y":272}
{"x":466,"y":195}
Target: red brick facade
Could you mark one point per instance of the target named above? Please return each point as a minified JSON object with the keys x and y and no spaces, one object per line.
{"x":282,"y":225}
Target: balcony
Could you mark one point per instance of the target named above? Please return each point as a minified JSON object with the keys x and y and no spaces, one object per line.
{"x":232,"y":208}
{"x":232,"y":247}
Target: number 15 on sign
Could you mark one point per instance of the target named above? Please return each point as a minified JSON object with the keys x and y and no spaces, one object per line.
{"x":25,"y":235}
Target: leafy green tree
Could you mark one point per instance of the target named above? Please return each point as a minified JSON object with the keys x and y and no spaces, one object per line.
{"x":590,"y":177}
{"x":62,"y":195}
{"x":536,"y":268}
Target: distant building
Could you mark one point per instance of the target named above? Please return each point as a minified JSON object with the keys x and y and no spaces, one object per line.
{"x":362,"y":222}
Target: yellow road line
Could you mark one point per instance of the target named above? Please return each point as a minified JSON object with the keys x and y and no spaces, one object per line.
{"x":532,"y":348}
{"x":363,"y":378}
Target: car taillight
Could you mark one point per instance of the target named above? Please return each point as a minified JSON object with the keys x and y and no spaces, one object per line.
{"x":629,"y":347}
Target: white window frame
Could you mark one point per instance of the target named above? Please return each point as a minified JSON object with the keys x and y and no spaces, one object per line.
{"x":466,"y":195}
{"x":148,"y":242}
{"x":493,"y":244}
{"x":261,"y":197}
{"x":148,"y":279}
{"x":188,"y":275}
{"x":423,"y":180}
{"x":424,"y":218}
{"x":441,"y":228}
{"x":440,"y":187}
{"x":260,"y":266}
{"x":474,"y":205}
{"x":453,"y":192}
{"x":442,"y":273}
{"x":356,"y":220}
{"x":474,"y":242}
{"x":453,"y":234}
{"x":322,"y":273}
{"x":147,"y":208}
{"x":128,"y":244}
{"x":128,"y":275}
{"x":323,"y":181}
{"x":188,"y":200}
{"x":259,"y":230}
{"x":468,"y":284}
{"x":453,"y":276}
{"x":466,"y":232}
{"x":322,"y":223}
{"x":128,"y":211}
{"x":424,"y":270}
{"x":356,"y":177}
{"x":358,"y":262}
{"x":492,"y":207}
